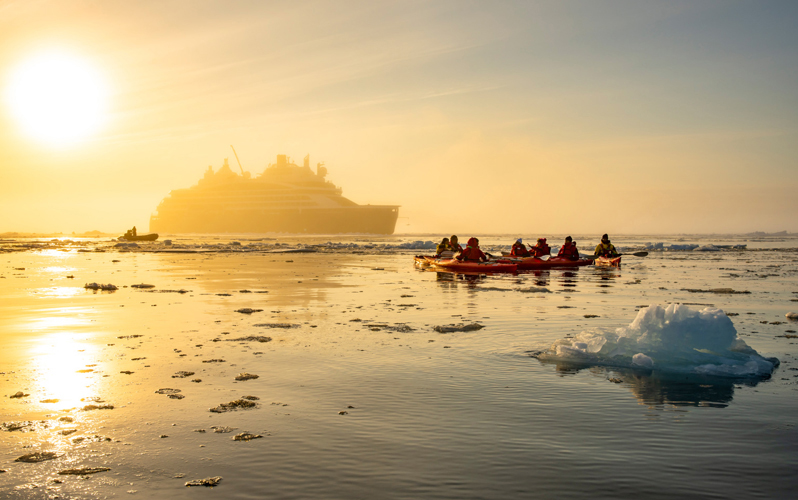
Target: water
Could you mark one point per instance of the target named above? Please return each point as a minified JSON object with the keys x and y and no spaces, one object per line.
{"x":457,"y":415}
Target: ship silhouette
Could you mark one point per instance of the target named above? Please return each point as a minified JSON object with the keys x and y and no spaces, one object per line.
{"x":284,"y":198}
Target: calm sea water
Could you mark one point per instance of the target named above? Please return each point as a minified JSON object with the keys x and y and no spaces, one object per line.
{"x":427,"y":415}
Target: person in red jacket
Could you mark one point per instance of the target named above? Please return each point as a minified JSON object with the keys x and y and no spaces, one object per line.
{"x":519,"y":249}
{"x":568,"y":250}
{"x":541,"y":249}
{"x":472,"y":253}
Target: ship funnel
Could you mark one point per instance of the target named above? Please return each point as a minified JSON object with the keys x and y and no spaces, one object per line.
{"x":307,"y":161}
{"x":281,"y":160}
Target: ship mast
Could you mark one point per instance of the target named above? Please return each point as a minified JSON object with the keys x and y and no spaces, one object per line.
{"x":239,"y":161}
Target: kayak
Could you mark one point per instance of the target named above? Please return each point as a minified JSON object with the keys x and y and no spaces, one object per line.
{"x":139,"y":237}
{"x":423,"y":260}
{"x":475,"y":267}
{"x":532,"y":263}
{"x":609,"y":261}
{"x":563,"y":262}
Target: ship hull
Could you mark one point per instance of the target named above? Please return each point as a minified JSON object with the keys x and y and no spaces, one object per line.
{"x":366,"y":219}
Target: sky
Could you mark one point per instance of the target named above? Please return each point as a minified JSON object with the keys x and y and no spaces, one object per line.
{"x":524,"y":117}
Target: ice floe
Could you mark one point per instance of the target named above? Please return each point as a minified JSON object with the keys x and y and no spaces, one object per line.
{"x":688,"y":247}
{"x":417,"y":245}
{"x":672,"y":247}
{"x":669,"y":339}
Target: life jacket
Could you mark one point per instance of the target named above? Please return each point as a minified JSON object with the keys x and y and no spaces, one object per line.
{"x":607,"y":250}
{"x":569,"y":251}
{"x":456,"y":248}
{"x":519,"y":250}
{"x":442,"y":247}
{"x":541,"y":248}
{"x":472,"y":252}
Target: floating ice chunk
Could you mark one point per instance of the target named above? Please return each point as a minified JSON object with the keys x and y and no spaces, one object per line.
{"x":675,"y":247}
{"x":642,"y":360}
{"x":682,"y":247}
{"x":673,"y":339}
{"x":792,"y":315}
{"x":707,"y":248}
{"x":418,"y":245}
{"x":100,"y":286}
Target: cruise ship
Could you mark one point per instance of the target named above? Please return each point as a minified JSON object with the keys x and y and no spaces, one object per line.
{"x":284,"y":198}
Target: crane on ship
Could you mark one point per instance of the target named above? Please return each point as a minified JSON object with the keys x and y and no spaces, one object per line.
{"x":239,"y":161}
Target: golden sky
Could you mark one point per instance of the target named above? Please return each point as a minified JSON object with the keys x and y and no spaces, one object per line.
{"x":528,"y":117}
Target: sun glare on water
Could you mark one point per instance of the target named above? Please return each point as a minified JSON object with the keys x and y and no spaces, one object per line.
{"x":57,"y":98}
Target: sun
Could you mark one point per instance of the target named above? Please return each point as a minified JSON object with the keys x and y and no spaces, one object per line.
{"x":57,"y":98}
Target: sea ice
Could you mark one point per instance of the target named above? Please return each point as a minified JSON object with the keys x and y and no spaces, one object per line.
{"x":417,"y":245}
{"x":674,"y":247}
{"x":708,"y":248}
{"x":673,"y":339}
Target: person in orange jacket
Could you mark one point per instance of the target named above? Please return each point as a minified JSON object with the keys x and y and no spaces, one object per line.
{"x":519,"y":249}
{"x":541,"y":249}
{"x":472,"y":253}
{"x":568,"y":250}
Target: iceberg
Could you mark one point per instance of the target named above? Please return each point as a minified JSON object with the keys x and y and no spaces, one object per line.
{"x":667,"y":339}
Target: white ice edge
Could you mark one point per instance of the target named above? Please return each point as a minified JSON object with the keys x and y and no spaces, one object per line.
{"x":668,"y":339}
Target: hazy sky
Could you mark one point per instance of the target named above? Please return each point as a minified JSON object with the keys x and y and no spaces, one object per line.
{"x":529,"y":117}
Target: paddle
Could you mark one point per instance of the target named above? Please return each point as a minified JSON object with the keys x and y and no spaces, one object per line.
{"x":515,"y":259}
{"x":634,"y":254}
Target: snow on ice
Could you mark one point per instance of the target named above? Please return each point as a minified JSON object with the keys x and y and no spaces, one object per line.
{"x":669,"y":339}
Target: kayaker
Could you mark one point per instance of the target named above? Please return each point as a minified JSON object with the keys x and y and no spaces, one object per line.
{"x":454,"y":246}
{"x":472,"y":253}
{"x":519,"y":249}
{"x":443,"y":246}
{"x":541,"y":248}
{"x":568,"y":249}
{"x":605,"y":248}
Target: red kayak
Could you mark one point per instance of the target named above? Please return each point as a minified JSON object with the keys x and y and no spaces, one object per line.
{"x":423,"y":260}
{"x":474,"y":267}
{"x":608,"y":261}
{"x":563,"y":262}
{"x":534,"y":263}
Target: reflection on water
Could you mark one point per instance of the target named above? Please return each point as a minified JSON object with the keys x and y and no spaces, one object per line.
{"x":568,"y":279}
{"x":55,"y":252}
{"x":541,"y":278}
{"x":451,"y":276}
{"x":58,"y":269}
{"x":606,"y":276}
{"x":63,"y":370}
{"x":284,"y":279}
{"x":657,"y":390}
{"x":46,"y":322}
{"x":61,"y":291}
